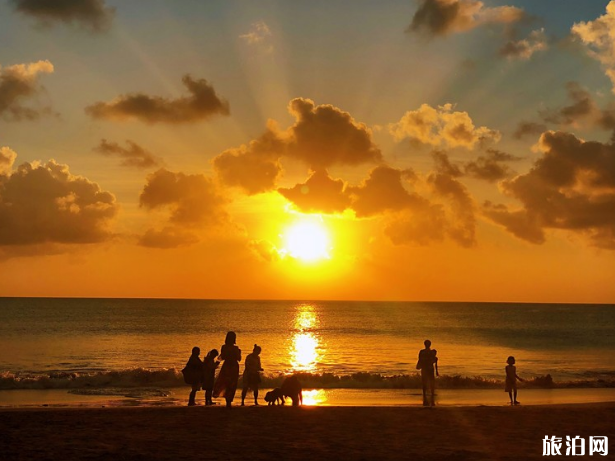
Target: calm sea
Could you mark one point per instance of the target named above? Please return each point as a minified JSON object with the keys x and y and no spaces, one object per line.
{"x":46,"y":343}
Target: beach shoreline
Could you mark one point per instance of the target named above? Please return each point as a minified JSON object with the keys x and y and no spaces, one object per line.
{"x":291,"y":433}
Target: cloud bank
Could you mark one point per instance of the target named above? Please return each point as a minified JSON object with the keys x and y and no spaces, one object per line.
{"x":18,"y":83}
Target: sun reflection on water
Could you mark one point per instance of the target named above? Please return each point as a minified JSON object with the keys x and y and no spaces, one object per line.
{"x":305,"y":344}
{"x":314,"y":397}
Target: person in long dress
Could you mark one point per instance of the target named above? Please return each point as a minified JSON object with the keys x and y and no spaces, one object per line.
{"x":226,"y":384}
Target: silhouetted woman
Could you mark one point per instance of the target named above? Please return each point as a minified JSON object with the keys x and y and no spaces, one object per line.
{"x":226,"y":384}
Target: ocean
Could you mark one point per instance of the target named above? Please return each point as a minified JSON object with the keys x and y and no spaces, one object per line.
{"x":105,"y":346}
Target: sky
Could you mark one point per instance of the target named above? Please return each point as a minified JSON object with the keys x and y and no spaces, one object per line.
{"x":421,"y":150}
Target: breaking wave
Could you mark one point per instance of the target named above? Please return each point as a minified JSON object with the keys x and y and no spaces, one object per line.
{"x":142,"y":378}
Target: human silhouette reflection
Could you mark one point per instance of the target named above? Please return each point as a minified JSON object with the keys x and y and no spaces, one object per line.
{"x":426,"y":362}
{"x":226,"y":384}
{"x":252,"y":375}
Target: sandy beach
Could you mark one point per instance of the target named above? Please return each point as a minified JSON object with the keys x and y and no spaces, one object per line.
{"x":287,"y":433}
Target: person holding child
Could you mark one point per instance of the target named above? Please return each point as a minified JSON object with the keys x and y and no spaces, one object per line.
{"x":193,"y":373}
{"x":252,"y":375}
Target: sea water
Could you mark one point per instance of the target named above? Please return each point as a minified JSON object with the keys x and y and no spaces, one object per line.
{"x":105,"y":346}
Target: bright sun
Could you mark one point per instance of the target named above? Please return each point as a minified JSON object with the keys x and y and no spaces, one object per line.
{"x":307,"y":241}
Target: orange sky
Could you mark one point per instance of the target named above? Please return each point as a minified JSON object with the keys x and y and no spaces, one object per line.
{"x":391,"y":152}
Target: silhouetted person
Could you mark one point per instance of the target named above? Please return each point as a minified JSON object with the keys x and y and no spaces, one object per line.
{"x":226,"y":384}
{"x":193,"y":374}
{"x":426,"y":362}
{"x":511,"y":380}
{"x":252,"y":375}
{"x":209,"y":372}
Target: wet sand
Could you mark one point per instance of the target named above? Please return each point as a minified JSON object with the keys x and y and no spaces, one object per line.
{"x":287,"y":433}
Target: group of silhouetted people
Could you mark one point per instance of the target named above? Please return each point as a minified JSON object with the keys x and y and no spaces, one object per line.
{"x":201,"y":373}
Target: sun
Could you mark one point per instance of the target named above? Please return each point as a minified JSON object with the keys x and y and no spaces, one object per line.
{"x":307,"y":240}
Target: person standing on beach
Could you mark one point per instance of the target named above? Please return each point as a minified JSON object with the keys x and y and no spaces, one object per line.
{"x":252,"y":375}
{"x":226,"y":384}
{"x":193,"y":373}
{"x":426,"y":362}
{"x":209,"y":373}
{"x":511,"y":380}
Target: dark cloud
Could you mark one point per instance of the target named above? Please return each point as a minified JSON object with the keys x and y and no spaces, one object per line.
{"x":490,"y":167}
{"x":319,"y":194}
{"x":194,"y":202}
{"x":461,"y":227}
{"x":529,"y":129}
{"x":194,"y":199}
{"x":202,"y":104}
{"x":45,"y":203}
{"x":256,"y":167}
{"x":443,"y":165}
{"x":91,"y":14}
{"x":168,"y":237}
{"x":324,"y":136}
{"x":383,"y":191}
{"x":18,"y":83}
{"x":443,"y":17}
{"x":525,"y":48}
{"x":571,"y":187}
{"x":134,"y":155}
{"x":583,"y":106}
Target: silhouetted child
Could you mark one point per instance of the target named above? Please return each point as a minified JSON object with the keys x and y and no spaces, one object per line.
{"x":435,"y":360}
{"x":209,"y":374}
{"x":193,"y":372}
{"x":511,"y":380}
{"x":252,"y":375}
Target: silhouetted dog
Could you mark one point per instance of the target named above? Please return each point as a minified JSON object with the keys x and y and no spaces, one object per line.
{"x":272,"y":397}
{"x":291,"y":387}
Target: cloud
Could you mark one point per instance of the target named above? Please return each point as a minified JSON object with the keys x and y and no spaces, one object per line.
{"x":571,"y":187}
{"x":490,"y":167}
{"x":324,"y":136}
{"x":256,"y":167}
{"x":90,"y":14}
{"x":383,"y":191}
{"x":134,"y":155}
{"x":264,"y":249}
{"x":598,"y":35}
{"x":529,"y":129}
{"x":319,"y":194}
{"x":524,"y":49}
{"x":461,"y":227}
{"x":7,"y":158}
{"x":583,"y":106}
{"x":442,"y":127}
{"x":202,"y":104}
{"x":45,"y":203}
{"x":443,"y":165}
{"x":194,"y":199}
{"x":19,"y":82}
{"x":168,"y":237}
{"x":443,"y":17}
{"x":258,"y":35}
{"x":195,"y":204}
